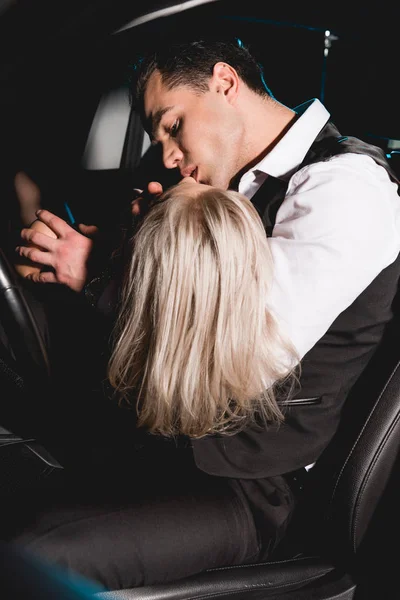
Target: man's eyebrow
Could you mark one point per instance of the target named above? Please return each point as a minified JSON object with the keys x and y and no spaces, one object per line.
{"x":156,"y":118}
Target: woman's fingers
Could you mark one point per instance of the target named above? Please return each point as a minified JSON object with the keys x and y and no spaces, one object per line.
{"x":90,"y":231}
{"x":32,"y":236}
{"x":155,"y":188}
{"x":35,"y":254}
{"x":43,"y":277}
{"x":56,"y":224}
{"x":144,"y":199}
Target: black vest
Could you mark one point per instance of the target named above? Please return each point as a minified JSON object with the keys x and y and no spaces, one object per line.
{"x":329,"y":369}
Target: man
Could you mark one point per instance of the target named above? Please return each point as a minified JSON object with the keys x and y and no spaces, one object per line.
{"x":330,"y":207}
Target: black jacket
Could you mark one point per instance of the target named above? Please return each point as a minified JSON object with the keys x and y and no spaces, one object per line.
{"x":329,"y":369}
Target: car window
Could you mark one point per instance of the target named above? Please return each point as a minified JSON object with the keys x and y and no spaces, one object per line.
{"x":107,"y":133}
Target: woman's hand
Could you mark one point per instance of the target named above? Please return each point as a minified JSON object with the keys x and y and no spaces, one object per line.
{"x":26,"y":267}
{"x":141,"y":203}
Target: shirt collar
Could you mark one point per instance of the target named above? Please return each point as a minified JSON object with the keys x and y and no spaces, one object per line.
{"x":285,"y":158}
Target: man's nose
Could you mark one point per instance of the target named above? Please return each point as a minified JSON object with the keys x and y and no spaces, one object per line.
{"x":172,"y":156}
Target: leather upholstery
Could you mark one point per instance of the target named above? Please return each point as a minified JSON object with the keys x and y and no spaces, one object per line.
{"x":250,"y":580}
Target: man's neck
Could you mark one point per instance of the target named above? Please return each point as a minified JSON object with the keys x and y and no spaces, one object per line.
{"x":266,"y":122}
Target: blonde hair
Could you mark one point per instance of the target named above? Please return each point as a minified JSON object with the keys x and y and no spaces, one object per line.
{"x":195,"y":339}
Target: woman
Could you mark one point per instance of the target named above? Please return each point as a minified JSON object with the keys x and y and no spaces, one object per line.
{"x":198,"y":352}
{"x":195,"y":337}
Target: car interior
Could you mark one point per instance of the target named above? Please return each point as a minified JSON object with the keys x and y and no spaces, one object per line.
{"x":67,"y":123}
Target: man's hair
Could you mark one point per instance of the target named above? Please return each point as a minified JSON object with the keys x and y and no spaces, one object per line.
{"x":191,"y":64}
{"x":196,"y":345}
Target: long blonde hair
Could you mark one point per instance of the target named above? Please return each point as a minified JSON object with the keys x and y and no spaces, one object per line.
{"x":195,"y":340}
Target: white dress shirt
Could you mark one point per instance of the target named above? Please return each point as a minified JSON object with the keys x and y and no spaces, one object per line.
{"x":336,"y":230}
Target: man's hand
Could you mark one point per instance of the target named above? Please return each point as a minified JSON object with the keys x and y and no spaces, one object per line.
{"x":144,"y":200}
{"x":62,"y":249}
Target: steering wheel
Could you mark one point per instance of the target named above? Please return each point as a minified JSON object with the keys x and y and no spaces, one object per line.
{"x":21,"y":328}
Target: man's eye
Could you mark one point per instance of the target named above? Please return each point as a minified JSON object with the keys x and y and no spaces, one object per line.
{"x":174,"y":128}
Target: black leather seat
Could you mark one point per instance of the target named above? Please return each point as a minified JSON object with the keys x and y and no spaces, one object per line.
{"x":339,"y":544}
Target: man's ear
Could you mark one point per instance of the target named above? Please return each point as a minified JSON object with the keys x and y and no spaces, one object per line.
{"x":225,"y":80}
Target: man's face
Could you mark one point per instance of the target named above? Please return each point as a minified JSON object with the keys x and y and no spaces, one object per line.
{"x":200,"y":133}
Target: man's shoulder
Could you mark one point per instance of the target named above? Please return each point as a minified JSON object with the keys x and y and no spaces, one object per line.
{"x":354,"y":152}
{"x":340,"y":169}
{"x":349,"y":184}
